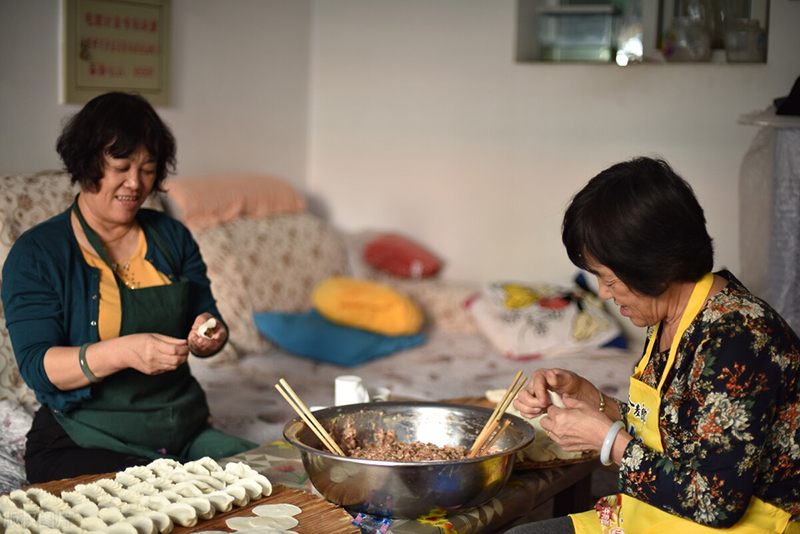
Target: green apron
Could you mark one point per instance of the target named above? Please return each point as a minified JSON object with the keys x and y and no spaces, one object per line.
{"x":131,"y":412}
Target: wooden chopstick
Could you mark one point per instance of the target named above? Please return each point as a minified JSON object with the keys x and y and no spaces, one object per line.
{"x":482,"y":437}
{"x":308,"y":417}
{"x":497,"y":434}
{"x":500,"y":409}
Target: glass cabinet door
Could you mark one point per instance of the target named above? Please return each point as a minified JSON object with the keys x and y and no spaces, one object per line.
{"x":629,"y":31}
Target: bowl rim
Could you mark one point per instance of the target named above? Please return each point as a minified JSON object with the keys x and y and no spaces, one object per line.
{"x":528,"y":432}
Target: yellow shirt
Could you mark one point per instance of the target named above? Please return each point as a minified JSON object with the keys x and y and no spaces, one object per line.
{"x":135,"y":271}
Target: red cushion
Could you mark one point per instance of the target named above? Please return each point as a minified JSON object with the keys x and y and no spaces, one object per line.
{"x":401,"y":257}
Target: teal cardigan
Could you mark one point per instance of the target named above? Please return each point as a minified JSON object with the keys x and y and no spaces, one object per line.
{"x":51,"y":295}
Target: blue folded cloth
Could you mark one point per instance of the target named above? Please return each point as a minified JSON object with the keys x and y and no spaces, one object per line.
{"x":311,"y":335}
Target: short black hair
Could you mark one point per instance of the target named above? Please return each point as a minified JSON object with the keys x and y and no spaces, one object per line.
{"x":642,"y":221}
{"x":116,"y":124}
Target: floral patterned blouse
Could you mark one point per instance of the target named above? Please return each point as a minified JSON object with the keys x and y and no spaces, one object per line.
{"x":730,"y":416}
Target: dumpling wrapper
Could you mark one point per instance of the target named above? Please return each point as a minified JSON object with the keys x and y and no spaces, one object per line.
{"x":278,"y":509}
{"x":203,"y":328}
{"x":259,"y":523}
{"x":282,"y":522}
{"x":556,"y":399}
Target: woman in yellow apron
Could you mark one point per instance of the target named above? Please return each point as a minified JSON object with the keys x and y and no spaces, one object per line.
{"x":709,"y":439}
{"x":103,"y":305}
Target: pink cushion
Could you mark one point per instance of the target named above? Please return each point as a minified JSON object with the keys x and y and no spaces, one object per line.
{"x":401,"y":257}
{"x":207,"y":201}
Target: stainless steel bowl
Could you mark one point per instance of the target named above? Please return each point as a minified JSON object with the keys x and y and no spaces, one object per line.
{"x":409,"y":489}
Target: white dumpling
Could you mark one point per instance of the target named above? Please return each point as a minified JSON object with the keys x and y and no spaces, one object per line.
{"x":203,"y":328}
{"x":127,"y":495}
{"x":240,"y":469}
{"x":92,"y":491}
{"x":121,"y":528}
{"x":161,"y":520}
{"x":93,"y":523}
{"x":161,"y":483}
{"x":86,"y":509}
{"x":210,"y":464}
{"x":141,"y":472}
{"x":47,"y":501}
{"x":215,"y":483}
{"x":155,"y":502}
{"x":266,"y":485}
{"x":202,"y":507}
{"x":56,"y":521}
{"x":24,"y":502}
{"x":252,"y":487}
{"x":221,"y":501}
{"x":142,"y":524}
{"x":225,"y":476}
{"x":171,"y":495}
{"x":109,"y":501}
{"x":126,"y":479}
{"x":187,"y":489}
{"x":163,"y":467}
{"x":143,"y":488}
{"x":7,"y":506}
{"x":9,"y":527}
{"x":181,"y":513}
{"x":110,"y":515}
{"x":238,"y":493}
{"x":111,"y":486}
{"x":24,"y":519}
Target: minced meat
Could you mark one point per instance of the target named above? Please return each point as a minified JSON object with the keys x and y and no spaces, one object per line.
{"x":386,"y":447}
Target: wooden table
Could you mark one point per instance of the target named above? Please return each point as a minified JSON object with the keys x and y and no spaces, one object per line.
{"x":569,"y":486}
{"x":318,"y":515}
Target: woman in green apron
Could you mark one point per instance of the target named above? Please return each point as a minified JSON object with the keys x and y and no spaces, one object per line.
{"x":709,"y":437}
{"x":105,"y":302}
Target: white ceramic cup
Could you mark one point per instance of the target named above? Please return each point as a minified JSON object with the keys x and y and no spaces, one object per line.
{"x":349,"y":389}
{"x":379,"y":394}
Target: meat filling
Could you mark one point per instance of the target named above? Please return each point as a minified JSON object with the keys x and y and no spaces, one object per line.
{"x":386,"y":447}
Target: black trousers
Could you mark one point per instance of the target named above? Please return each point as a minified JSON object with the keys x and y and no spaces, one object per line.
{"x":50,"y":453}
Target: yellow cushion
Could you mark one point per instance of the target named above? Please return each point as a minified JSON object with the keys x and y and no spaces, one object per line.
{"x":367,"y":305}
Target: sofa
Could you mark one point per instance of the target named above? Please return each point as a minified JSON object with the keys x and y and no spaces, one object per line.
{"x":271,"y":260}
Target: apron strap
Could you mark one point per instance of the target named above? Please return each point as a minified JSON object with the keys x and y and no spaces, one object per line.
{"x":91,"y":235}
{"x":696,"y":301}
{"x":94,"y":240}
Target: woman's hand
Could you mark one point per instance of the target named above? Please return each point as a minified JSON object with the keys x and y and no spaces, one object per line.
{"x":204,"y":346}
{"x":153,"y":354}
{"x":578,"y":427}
{"x":533,"y":400}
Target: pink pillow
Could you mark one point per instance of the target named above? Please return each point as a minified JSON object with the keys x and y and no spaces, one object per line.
{"x":207,"y":201}
{"x":401,"y":257}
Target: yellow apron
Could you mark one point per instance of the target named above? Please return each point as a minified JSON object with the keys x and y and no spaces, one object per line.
{"x":622,"y":514}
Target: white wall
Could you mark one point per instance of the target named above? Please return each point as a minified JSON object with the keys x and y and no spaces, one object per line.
{"x":240,"y":86}
{"x":413,"y":116}
{"x":423,"y":123}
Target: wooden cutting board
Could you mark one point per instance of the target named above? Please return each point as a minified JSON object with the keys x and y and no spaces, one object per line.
{"x":318,"y":515}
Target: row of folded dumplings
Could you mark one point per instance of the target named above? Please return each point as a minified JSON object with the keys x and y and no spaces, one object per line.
{"x":147,"y":499}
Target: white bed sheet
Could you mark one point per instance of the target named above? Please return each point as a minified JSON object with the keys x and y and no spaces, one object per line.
{"x":244,"y":401}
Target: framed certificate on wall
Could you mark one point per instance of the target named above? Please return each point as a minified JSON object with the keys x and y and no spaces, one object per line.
{"x":116,"y":45}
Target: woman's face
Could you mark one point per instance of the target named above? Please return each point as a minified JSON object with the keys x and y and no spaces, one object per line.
{"x":124,"y":187}
{"x":642,"y":310}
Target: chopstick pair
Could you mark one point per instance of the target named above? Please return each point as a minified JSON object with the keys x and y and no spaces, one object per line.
{"x":494,"y":420}
{"x":308,"y":417}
